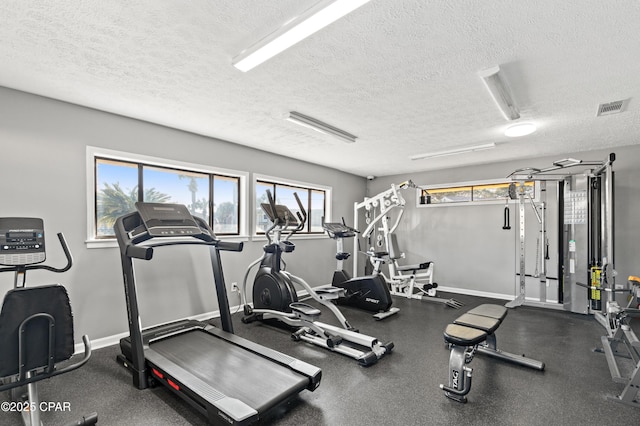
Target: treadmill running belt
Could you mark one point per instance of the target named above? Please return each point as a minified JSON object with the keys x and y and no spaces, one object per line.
{"x":234,"y":371}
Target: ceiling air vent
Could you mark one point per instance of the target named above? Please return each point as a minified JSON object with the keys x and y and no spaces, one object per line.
{"x":612,"y":107}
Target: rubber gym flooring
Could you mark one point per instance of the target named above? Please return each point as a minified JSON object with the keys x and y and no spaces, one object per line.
{"x":402,"y":388}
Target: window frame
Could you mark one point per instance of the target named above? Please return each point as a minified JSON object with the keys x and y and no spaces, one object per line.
{"x":94,"y":153}
{"x":471,"y":185}
{"x":266,"y":179}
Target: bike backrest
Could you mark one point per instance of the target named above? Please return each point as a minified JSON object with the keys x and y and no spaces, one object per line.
{"x":21,"y":303}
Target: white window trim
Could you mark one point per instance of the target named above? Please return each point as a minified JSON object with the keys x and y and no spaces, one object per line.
{"x":536,"y":197}
{"x":93,"y":152}
{"x":278,"y":180}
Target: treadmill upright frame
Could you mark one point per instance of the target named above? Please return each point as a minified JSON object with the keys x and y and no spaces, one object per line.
{"x":143,"y":361}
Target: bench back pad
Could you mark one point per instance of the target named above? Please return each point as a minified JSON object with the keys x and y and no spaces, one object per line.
{"x":18,"y":305}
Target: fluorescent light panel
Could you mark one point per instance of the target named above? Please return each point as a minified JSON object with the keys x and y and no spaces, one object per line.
{"x":454,"y":151}
{"x":314,"y":19}
{"x":500,"y":92}
{"x":319,"y":126}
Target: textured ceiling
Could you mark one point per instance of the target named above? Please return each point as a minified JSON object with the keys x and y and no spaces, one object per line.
{"x":402,"y":75}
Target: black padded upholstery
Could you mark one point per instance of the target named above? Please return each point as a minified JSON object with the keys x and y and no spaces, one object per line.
{"x":486,"y":324}
{"x":463,"y":336}
{"x":18,"y":305}
{"x":476,"y":325}
{"x":414,"y":268}
{"x":491,"y":311}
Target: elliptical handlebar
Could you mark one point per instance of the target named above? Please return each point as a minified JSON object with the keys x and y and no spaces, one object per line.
{"x":284,"y":222}
{"x":302,"y":214}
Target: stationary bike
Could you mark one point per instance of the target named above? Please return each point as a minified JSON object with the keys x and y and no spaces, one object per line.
{"x":36,"y":324}
{"x":275,"y":297}
{"x":371,"y":292}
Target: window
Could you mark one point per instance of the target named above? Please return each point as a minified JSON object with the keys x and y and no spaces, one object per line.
{"x":119,"y":182}
{"x":476,"y":192}
{"x":314,"y":200}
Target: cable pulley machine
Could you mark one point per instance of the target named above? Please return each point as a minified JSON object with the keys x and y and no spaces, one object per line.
{"x":585,"y":235}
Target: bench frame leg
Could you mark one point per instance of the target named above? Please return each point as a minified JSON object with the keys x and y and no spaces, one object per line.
{"x":489,"y":348}
{"x":459,"y":373}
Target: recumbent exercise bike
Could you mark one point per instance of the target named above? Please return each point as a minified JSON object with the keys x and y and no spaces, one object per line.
{"x":36,"y":323}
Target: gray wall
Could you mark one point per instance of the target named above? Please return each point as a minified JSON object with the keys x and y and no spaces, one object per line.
{"x":473,"y":254}
{"x":43,"y":173}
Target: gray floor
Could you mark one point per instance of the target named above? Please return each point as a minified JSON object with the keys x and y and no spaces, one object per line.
{"x":402,"y":388}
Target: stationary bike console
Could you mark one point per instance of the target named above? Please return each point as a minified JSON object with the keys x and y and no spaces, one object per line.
{"x":21,"y":241}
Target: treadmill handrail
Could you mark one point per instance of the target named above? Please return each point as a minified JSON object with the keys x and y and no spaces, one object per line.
{"x":132,"y":233}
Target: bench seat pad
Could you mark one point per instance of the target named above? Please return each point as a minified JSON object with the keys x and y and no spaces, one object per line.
{"x":491,"y":311}
{"x":463,"y":336}
{"x":486,"y":324}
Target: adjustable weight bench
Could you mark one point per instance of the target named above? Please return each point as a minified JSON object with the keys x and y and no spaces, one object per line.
{"x":474,"y":332}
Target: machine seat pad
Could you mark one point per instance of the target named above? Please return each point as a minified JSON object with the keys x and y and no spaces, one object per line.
{"x":461,"y":335}
{"x":486,"y":324}
{"x":492,"y":311}
{"x":304,"y":309}
{"x":416,"y":267}
{"x":379,"y":254}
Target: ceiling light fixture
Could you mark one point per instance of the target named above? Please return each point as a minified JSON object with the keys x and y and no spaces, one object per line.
{"x":520,"y":129}
{"x":454,"y":151}
{"x":314,"y":19}
{"x":500,"y":92}
{"x":319,"y":126}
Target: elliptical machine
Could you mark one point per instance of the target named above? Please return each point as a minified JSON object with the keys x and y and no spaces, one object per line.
{"x":371,"y":292}
{"x":36,"y":324}
{"x":275,"y":297}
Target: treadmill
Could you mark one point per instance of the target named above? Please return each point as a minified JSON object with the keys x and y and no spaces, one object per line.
{"x":227,"y":378}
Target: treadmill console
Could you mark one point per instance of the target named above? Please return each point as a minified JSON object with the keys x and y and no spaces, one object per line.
{"x":168,"y":220}
{"x":21,"y":241}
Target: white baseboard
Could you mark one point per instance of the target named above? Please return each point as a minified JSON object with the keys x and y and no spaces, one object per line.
{"x":115,"y":339}
{"x":475,"y":293}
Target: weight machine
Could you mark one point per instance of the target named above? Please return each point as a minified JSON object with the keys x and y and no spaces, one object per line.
{"x":411,"y":281}
{"x":585,"y":236}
